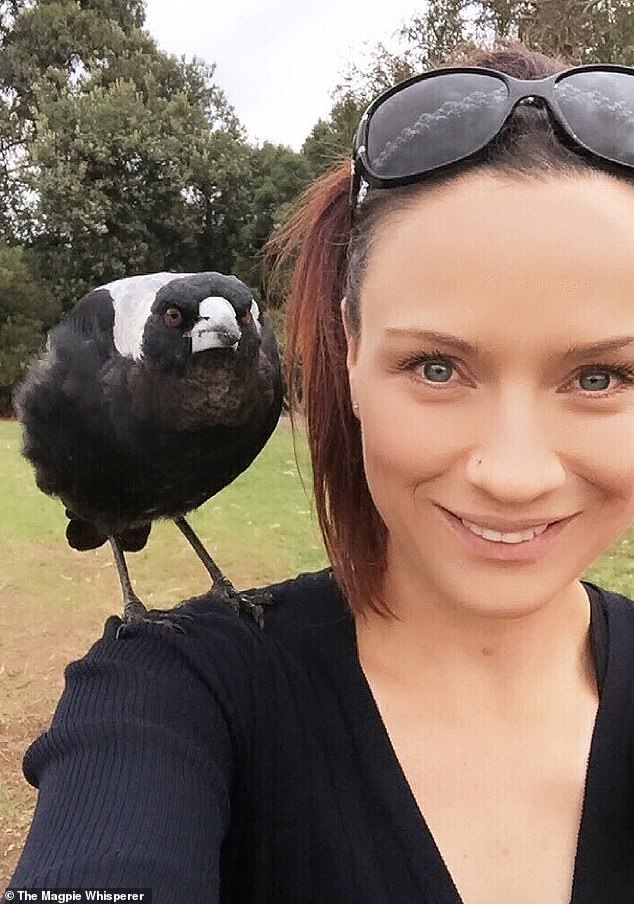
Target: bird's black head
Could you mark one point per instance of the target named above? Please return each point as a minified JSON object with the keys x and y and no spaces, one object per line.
{"x":194,"y":315}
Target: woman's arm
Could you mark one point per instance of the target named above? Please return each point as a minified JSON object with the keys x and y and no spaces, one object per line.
{"x":134,"y":773}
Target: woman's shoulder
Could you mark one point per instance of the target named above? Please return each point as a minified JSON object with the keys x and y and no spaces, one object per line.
{"x":201,"y":657}
{"x":209,"y":634}
{"x":293,"y":598}
{"x":612,"y":623}
{"x":613,"y":601}
{"x":309,"y":600}
{"x":287,"y":605}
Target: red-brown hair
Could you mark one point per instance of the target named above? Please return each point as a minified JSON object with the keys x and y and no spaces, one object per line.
{"x":328,"y":262}
{"x":353,"y":532}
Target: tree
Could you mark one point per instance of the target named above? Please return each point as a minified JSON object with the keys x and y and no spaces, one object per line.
{"x":332,"y":138}
{"x":277,"y":176}
{"x":131,"y":180}
{"x":27,"y":310}
{"x":583,"y":31}
{"x":448,"y":25}
{"x":220,"y":199}
{"x":129,"y":159}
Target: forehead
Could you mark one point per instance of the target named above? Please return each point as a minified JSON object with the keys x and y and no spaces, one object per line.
{"x":506,"y":260}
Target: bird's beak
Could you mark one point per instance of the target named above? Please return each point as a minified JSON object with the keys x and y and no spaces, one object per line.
{"x":217,"y":326}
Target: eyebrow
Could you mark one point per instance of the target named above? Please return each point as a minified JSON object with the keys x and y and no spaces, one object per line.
{"x":612,"y":343}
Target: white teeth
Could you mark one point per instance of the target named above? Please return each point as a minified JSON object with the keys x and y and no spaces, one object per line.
{"x":497,"y":537}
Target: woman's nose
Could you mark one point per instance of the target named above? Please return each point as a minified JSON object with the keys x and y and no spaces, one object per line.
{"x":516,"y":458}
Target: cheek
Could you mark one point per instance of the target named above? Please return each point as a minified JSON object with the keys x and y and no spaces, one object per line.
{"x":611,"y":468}
{"x":405,"y":445}
{"x":408,"y":442}
{"x":407,"y":437}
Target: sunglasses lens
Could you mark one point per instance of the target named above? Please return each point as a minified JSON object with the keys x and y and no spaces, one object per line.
{"x":435,"y":121}
{"x":599,"y":108}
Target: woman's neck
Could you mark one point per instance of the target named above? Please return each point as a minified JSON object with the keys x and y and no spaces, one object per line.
{"x":476,"y":656}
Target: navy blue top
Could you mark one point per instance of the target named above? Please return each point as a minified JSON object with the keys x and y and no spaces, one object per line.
{"x":232,"y":764}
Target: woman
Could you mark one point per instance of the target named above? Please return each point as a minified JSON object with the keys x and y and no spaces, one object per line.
{"x":445,"y":716}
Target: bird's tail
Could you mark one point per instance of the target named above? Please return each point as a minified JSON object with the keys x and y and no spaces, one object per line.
{"x":83,"y":535}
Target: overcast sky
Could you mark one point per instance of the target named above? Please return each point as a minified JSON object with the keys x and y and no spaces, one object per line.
{"x":277,"y":60}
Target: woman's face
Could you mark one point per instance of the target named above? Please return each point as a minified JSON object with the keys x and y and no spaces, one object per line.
{"x":514,"y":422}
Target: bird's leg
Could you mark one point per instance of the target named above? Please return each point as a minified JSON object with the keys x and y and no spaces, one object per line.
{"x":251,"y":602}
{"x":133,"y":608}
{"x":219,"y":581}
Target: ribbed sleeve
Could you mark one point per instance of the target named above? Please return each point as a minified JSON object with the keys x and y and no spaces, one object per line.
{"x":134,"y":774}
{"x":233,"y":765}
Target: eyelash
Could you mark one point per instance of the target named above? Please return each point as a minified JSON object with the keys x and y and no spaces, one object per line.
{"x":619,"y":369}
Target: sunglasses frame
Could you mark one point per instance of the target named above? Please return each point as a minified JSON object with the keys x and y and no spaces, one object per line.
{"x":537,"y":92}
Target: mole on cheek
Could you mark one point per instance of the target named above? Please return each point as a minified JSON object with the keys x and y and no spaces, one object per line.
{"x":487,"y":651}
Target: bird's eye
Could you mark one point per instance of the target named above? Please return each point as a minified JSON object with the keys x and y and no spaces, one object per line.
{"x":173,"y":317}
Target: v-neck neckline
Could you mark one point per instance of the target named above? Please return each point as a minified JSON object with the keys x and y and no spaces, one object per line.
{"x":427,"y":862}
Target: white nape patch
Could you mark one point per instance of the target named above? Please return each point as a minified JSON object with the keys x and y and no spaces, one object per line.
{"x":132,"y":299}
{"x":217,"y":327}
{"x":255,"y":313}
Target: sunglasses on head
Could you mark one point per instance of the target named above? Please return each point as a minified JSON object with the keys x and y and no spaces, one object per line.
{"x":444,"y":116}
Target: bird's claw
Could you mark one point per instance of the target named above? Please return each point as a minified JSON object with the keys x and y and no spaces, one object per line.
{"x":255,"y":610}
{"x":123,"y":628}
{"x":251,"y":602}
{"x":168,"y":620}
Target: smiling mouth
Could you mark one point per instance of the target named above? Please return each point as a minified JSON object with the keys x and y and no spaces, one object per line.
{"x":485,"y":525}
{"x":509,"y":544}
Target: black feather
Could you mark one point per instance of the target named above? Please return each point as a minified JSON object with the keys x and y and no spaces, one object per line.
{"x":124,"y":440}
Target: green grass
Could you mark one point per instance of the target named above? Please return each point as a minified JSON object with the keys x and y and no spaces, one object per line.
{"x":26,"y":514}
{"x":261,"y":528}
{"x":53,"y":600}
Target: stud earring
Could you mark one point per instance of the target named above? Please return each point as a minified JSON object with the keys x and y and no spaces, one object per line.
{"x":355,"y":408}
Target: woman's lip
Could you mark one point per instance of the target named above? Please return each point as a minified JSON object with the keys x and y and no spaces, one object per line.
{"x":508,"y":529}
{"x":492,"y":549}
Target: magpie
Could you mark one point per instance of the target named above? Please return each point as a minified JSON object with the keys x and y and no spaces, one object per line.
{"x":153,"y":393}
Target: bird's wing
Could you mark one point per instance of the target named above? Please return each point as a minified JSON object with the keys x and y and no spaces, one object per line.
{"x":89,"y":323}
